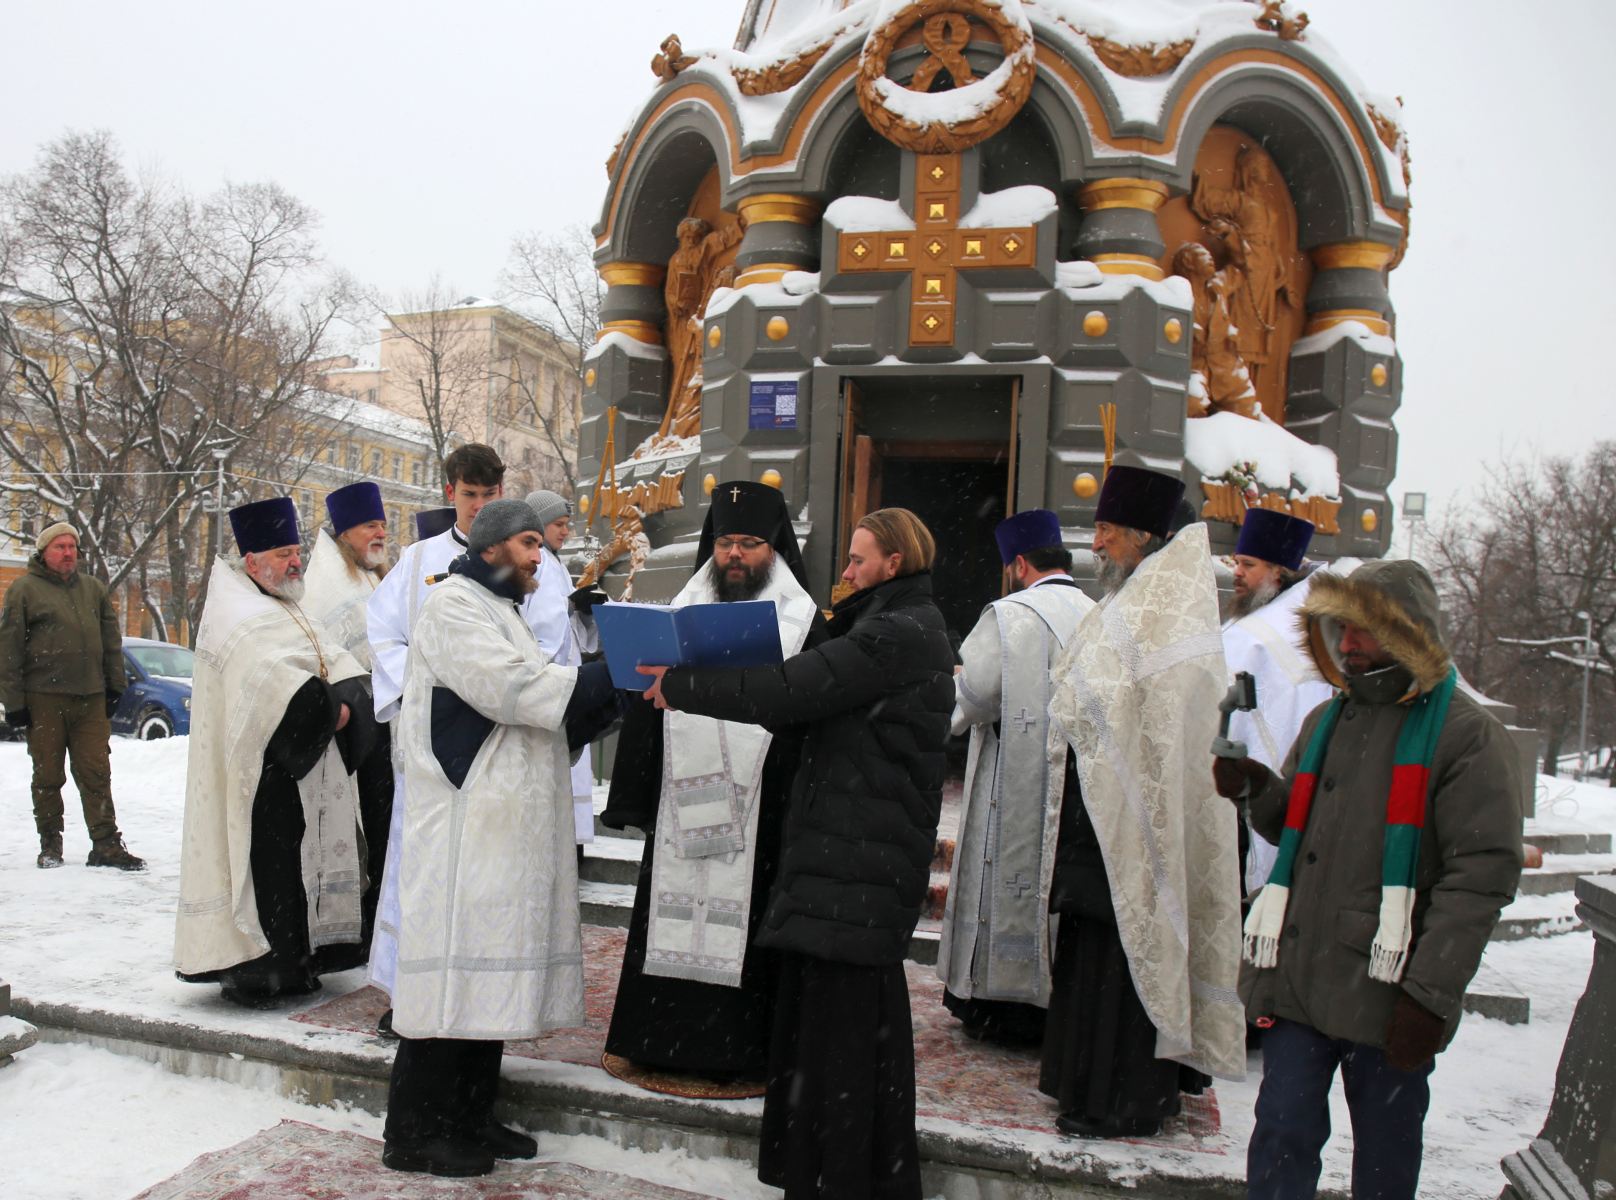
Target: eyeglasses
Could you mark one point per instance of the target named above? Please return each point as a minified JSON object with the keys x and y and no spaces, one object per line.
{"x":724,"y":545}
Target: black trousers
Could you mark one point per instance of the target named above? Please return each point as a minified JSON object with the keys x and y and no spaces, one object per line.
{"x":441,"y":1087}
{"x":839,"y":1113}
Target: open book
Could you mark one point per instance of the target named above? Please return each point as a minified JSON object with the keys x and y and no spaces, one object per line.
{"x":745,"y":633}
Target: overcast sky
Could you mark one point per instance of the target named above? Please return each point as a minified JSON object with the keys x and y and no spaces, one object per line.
{"x":427,"y":135}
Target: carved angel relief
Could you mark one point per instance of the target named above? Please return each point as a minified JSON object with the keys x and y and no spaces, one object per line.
{"x":694,"y":274}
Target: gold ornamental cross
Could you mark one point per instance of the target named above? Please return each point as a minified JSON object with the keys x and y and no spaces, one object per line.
{"x":935,"y":250}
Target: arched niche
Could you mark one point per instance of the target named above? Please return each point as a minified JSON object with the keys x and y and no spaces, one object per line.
{"x":661,"y":182}
{"x":1319,"y":158}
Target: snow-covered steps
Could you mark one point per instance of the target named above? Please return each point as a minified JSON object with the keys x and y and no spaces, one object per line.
{"x":612,"y":859}
{"x":1490,"y":994}
{"x":1560,"y":872}
{"x":1560,"y":835}
{"x":15,"y":1033}
{"x":1538,"y":916}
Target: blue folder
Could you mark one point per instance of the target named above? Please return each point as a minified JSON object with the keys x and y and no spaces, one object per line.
{"x":745,"y":633}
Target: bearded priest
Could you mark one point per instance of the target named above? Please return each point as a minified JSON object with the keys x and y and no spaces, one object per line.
{"x":271,"y":875}
{"x":1146,"y":875}
{"x":695,"y":995}
{"x":489,"y":945}
{"x":348,"y":560}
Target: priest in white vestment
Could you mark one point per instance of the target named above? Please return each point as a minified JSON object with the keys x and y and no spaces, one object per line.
{"x":489,"y":942}
{"x":566,"y":632}
{"x":348,"y":561}
{"x":1263,"y":635}
{"x":695,"y":995}
{"x":271,"y":873}
{"x":1143,"y":1003}
{"x":473,"y":476}
{"x":994,"y":959}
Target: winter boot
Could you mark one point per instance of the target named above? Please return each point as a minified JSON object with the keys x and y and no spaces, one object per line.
{"x":50,"y":850}
{"x":110,"y":852}
{"x":504,"y":1141}
{"x":455,"y":1158}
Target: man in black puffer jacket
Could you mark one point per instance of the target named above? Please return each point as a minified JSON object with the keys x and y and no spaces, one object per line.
{"x":874,"y":702}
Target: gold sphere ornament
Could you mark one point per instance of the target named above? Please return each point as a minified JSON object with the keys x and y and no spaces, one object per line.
{"x":1174,"y":330}
{"x":771,"y":478}
{"x":1379,"y":375}
{"x":1085,"y":485}
{"x":1369,"y":520}
{"x":714,"y":336}
{"x":777,"y":328}
{"x":583,"y":504}
{"x":589,"y":377}
{"x":708,"y":484}
{"x":1095,"y":324}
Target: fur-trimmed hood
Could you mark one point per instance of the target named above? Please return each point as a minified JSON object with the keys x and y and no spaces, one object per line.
{"x":1393,"y":599}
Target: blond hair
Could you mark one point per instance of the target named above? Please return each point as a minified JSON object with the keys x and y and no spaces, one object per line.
{"x":899,"y":531}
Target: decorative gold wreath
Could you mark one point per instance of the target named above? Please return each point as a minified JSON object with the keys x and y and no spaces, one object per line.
{"x":940,"y":137}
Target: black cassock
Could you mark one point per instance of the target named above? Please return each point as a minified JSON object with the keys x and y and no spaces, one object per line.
{"x":1099,"y":1043}
{"x":684,"y":1024}
{"x":290,"y":967}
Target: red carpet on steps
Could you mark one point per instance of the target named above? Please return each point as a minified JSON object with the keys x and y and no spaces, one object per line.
{"x":956,"y":1079}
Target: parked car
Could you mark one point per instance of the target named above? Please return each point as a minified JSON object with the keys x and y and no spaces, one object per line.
{"x":158,"y":702}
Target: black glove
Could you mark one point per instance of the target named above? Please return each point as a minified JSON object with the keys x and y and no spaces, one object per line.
{"x":585,"y":598}
{"x":1413,"y":1035}
{"x":1237,"y":778}
{"x":594,"y":707}
{"x":18,"y":718}
{"x":112,"y":702}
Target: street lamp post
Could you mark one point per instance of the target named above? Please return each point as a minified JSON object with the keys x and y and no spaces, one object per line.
{"x":1587,"y":619}
{"x":218,"y":504}
{"x":1413,"y":510}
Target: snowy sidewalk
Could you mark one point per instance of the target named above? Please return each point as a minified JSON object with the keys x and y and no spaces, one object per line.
{"x":87,"y":952}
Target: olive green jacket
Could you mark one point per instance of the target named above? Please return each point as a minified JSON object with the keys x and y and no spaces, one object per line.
{"x":1470,"y":850}
{"x":59,"y":637}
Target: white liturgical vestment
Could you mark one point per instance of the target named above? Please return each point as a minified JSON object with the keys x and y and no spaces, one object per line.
{"x":565,"y":637}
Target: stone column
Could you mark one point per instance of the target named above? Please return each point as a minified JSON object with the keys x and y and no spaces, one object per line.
{"x":634,"y":303}
{"x":782,"y":234}
{"x":1575,"y":1156}
{"x":1349,"y":284}
{"x":1120,"y":234}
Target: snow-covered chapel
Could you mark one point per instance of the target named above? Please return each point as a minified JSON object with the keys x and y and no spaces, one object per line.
{"x":959,"y":255}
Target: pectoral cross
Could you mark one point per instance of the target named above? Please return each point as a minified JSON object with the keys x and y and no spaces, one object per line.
{"x":1018,"y":885}
{"x":1023,"y":720}
{"x":935,"y":250}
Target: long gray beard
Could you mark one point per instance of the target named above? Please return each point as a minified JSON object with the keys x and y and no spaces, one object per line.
{"x":1111,"y":575}
{"x":748,"y":589}
{"x":1237,"y":606}
{"x":290,"y":590}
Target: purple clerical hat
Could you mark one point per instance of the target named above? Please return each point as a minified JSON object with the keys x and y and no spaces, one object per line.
{"x":1140,"y":499}
{"x":264,"y":525}
{"x":354,"y":505}
{"x":1274,"y":537}
{"x":1029,"y":530}
{"x":433,"y":521}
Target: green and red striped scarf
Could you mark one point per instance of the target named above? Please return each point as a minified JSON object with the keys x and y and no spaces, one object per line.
{"x":1405,"y":818}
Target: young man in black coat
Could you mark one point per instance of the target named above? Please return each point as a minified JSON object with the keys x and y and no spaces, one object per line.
{"x":874,"y":703}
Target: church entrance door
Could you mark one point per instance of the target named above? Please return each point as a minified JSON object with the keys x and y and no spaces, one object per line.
{"x":944,"y":449}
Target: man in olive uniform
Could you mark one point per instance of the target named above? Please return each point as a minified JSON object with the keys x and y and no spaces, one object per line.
{"x":61,"y":676}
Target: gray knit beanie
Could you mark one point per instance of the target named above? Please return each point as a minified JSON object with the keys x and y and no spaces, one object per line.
{"x":50,"y":533}
{"x":501,"y":519}
{"x":549,"y":506}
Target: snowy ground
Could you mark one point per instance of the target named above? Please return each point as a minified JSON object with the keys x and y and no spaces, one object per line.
{"x":77,"y":1122}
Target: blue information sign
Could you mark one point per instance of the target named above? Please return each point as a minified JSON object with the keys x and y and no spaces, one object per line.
{"x":774,"y":404}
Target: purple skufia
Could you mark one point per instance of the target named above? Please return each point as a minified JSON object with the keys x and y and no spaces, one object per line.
{"x":354,"y":505}
{"x":1029,"y":530}
{"x":1139,"y":499}
{"x":265,"y":525}
{"x":1274,"y":537}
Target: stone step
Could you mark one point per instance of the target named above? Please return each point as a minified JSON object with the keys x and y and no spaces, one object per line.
{"x":1558,"y":835}
{"x":611,"y":904}
{"x":1490,"y":994}
{"x":1517,"y":929}
{"x":1560,"y":876}
{"x":611,"y":859}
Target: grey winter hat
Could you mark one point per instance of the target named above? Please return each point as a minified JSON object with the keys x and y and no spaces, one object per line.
{"x":549,"y":506}
{"x":501,"y":519}
{"x":51,"y":532}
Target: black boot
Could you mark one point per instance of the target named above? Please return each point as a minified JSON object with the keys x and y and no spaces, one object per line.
{"x":111,"y":852}
{"x":505,"y":1142}
{"x":50,"y":851}
{"x":1106,"y":1127}
{"x":384,"y":1026}
{"x":454,"y":1158}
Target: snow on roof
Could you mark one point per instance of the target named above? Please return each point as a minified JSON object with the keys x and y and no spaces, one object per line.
{"x":344,"y":410}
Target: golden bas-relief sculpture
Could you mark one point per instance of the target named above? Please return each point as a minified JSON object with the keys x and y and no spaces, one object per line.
{"x":694,"y":274}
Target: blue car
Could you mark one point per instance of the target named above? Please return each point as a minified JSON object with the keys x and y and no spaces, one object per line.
{"x":158,"y":702}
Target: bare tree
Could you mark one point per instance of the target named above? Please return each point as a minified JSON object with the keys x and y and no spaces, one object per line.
{"x":437,"y":360}
{"x":556,"y":277}
{"x":547,"y":402}
{"x":1537,"y":548}
{"x":147,"y":333}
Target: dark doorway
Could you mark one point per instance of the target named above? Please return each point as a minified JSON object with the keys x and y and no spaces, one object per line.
{"x":941,"y":448}
{"x":960,"y":502}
